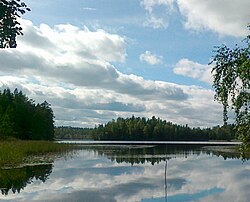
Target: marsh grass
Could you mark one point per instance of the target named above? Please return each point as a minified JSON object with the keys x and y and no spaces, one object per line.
{"x":17,"y":152}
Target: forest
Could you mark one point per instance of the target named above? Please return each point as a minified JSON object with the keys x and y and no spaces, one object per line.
{"x":137,"y":128}
{"x":21,"y":118}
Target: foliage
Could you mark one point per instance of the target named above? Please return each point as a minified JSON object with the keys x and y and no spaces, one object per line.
{"x":17,"y":152}
{"x":136,"y":128}
{"x":232,"y":85}
{"x":10,"y":12}
{"x":21,"y":118}
{"x":68,"y":132}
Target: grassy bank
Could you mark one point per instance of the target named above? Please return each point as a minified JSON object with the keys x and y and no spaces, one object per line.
{"x":17,"y":152}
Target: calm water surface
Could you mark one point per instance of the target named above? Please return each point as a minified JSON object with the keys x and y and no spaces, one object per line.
{"x":131,"y":173}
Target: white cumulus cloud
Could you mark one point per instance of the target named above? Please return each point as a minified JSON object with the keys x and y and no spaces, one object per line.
{"x":151,"y":58}
{"x":194,"y":70}
{"x":226,"y":17}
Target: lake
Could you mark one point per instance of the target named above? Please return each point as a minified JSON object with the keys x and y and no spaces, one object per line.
{"x":146,"y":173}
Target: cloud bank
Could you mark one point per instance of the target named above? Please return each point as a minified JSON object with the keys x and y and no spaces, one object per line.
{"x":72,"y":69}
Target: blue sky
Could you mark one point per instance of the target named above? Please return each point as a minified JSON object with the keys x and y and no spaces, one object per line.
{"x":97,"y":60}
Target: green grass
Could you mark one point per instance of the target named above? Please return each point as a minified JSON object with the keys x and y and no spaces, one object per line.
{"x":17,"y":152}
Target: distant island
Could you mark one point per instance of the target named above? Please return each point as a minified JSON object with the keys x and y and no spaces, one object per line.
{"x":137,"y":128}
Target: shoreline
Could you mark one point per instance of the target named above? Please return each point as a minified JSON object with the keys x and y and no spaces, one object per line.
{"x":115,"y":142}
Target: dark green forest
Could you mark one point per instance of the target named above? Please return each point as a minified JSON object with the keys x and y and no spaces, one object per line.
{"x":21,"y":118}
{"x":136,"y":128}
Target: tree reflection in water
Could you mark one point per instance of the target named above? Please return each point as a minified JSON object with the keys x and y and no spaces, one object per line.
{"x":18,"y":178}
{"x":154,"y":154}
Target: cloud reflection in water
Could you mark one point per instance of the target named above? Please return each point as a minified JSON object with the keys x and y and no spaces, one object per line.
{"x":94,"y":175}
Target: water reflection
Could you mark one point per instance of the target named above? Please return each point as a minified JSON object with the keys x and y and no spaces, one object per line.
{"x":155,"y":154}
{"x":18,"y":178}
{"x":125,"y":173}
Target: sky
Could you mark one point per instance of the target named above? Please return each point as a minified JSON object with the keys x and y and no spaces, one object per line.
{"x":96,"y":60}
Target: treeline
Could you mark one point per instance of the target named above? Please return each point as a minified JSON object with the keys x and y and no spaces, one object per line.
{"x":136,"y":128}
{"x":21,"y":118}
{"x":68,"y":132}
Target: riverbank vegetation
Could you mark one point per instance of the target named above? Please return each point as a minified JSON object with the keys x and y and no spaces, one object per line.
{"x":21,"y":118}
{"x":17,"y":152}
{"x":21,"y":123}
